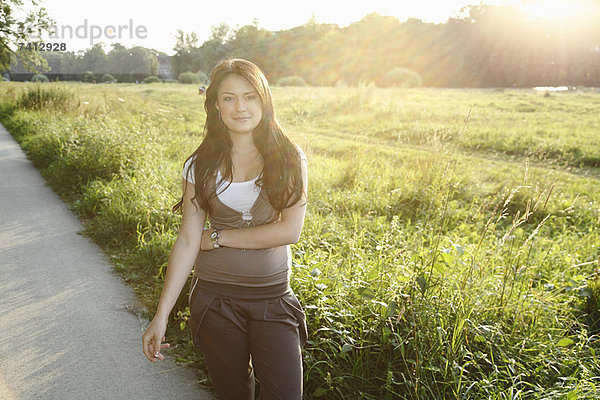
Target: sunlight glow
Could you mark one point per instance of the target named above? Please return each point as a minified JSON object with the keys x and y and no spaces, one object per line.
{"x":557,"y":10}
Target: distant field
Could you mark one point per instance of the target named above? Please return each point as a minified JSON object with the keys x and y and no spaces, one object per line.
{"x":450,"y":248}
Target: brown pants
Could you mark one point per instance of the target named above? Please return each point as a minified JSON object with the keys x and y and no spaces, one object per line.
{"x":246,"y":331}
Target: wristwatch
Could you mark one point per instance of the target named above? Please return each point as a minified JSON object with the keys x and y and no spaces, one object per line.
{"x":215,"y":238}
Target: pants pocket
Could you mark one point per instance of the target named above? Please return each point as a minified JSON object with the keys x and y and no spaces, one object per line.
{"x":295,"y":309}
{"x":199,"y":303}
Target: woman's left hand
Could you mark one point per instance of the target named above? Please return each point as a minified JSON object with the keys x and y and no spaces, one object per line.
{"x":206,"y":242}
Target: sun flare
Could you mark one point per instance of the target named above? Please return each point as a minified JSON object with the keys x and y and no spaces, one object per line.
{"x":558,"y":10}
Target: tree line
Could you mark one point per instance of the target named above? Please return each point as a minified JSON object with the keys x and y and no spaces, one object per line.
{"x":121,"y":63}
{"x":484,"y":46}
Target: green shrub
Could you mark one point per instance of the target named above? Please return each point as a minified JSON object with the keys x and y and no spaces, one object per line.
{"x":89,"y":77}
{"x":402,"y":77}
{"x":170,"y":80}
{"x":202,"y":76}
{"x":188,"y":77}
{"x":108,"y":78}
{"x":40,"y":78}
{"x":292,"y":81}
{"x":152,"y":79}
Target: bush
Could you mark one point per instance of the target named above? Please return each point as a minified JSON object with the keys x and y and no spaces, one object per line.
{"x":40,"y":78}
{"x":402,"y":77}
{"x":188,"y":77}
{"x":108,"y":78}
{"x":170,"y":80}
{"x":202,"y":76}
{"x":152,"y":79}
{"x":89,"y":77}
{"x":292,"y":81}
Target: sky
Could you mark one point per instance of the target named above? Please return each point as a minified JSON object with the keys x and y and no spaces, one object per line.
{"x":84,"y":23}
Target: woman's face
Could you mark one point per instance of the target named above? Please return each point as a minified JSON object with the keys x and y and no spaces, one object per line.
{"x":239,"y":104}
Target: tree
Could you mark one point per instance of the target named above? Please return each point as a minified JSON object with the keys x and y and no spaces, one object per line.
{"x":186,"y":56}
{"x":132,"y":64}
{"x":95,"y":59}
{"x":28,"y":30}
{"x":249,"y":42}
{"x":220,"y":32}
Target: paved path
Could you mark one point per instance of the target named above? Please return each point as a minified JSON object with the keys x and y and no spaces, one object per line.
{"x":65,"y":329}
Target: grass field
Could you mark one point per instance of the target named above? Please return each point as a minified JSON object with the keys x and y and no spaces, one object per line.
{"x":450,"y":249}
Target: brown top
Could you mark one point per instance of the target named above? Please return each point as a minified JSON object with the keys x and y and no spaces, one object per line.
{"x":245,"y":267}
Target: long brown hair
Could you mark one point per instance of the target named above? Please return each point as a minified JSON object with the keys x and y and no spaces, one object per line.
{"x":281,"y":176}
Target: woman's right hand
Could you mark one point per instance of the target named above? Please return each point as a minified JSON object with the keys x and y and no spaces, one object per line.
{"x":152,"y":340}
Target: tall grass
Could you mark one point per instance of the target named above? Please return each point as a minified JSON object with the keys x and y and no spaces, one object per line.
{"x":444,"y":255}
{"x":39,"y":97}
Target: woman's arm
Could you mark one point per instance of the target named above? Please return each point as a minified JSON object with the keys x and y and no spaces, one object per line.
{"x":286,"y":230}
{"x":181,"y":260}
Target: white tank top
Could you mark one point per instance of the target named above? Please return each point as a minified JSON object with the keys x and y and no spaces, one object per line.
{"x":239,"y":196}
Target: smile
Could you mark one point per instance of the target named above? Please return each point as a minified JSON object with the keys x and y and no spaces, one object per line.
{"x":242,"y":119}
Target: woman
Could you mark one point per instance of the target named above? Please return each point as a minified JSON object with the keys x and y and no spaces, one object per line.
{"x":251,"y":182}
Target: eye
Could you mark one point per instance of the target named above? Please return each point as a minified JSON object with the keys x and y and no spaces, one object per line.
{"x":228,"y":98}
{"x":251,"y":97}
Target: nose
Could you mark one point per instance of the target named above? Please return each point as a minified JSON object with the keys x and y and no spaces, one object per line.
{"x":240,"y":105}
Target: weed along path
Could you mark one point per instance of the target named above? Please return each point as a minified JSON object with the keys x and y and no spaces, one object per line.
{"x":66,"y":329}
